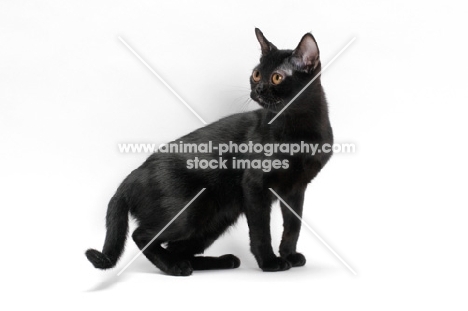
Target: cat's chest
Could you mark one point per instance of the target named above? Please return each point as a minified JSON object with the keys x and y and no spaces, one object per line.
{"x":300,"y":171}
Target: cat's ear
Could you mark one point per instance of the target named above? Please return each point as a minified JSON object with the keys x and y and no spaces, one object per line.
{"x":266,"y":45}
{"x":306,"y":56}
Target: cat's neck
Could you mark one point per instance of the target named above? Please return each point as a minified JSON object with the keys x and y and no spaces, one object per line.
{"x":305,"y":118}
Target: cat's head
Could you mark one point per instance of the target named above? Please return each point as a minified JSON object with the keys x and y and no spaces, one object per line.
{"x":281,"y":74}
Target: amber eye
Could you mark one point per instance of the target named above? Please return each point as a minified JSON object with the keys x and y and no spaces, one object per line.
{"x":276,"y":78}
{"x":256,"y":76}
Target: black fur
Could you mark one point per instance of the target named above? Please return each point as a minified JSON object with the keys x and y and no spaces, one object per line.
{"x":155,"y":192}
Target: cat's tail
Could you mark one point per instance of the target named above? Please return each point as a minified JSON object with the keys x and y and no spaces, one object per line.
{"x":117,"y":228}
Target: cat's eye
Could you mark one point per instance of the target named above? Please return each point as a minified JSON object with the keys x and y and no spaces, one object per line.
{"x":256,"y":76}
{"x":276,"y":78}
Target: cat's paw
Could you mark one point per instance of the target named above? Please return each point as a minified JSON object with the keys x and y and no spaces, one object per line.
{"x":276,"y":264}
{"x":180,"y":268}
{"x":231,"y":261}
{"x":296,"y":259}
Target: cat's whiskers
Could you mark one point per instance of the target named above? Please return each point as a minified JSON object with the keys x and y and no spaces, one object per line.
{"x":246,"y":104}
{"x":244,"y":101}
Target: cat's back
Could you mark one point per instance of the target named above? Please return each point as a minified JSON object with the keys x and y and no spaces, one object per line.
{"x":235,"y":128}
{"x":231,"y":128}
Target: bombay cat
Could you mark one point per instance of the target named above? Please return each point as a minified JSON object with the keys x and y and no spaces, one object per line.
{"x":156,"y":191}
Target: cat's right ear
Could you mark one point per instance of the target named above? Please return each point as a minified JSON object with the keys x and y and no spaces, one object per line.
{"x":306,"y":56}
{"x":266,"y":45}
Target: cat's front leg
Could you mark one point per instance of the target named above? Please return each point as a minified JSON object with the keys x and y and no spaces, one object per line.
{"x":292,"y":227}
{"x":257,"y":210}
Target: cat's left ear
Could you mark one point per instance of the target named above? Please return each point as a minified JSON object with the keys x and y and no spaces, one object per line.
{"x":306,"y":56}
{"x":266,"y":45}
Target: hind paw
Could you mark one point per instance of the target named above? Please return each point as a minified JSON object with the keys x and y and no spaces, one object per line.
{"x":231,"y":261}
{"x":180,"y":268}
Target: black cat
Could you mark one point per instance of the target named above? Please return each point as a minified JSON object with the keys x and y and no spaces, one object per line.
{"x":155,"y":192}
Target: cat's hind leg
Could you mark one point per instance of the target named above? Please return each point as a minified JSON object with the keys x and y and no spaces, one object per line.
{"x":228,"y":261}
{"x":160,"y":257}
{"x":187,"y":249}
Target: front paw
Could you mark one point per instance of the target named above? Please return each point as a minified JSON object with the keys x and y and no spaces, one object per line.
{"x":276,"y":264}
{"x":296,"y":259}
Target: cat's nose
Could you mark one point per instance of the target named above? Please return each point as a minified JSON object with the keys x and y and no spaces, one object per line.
{"x":259,"y":88}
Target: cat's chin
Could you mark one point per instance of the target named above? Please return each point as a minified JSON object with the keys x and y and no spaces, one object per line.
{"x":275,"y":106}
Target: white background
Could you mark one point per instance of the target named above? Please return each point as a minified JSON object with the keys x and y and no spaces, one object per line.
{"x":395,"y":210}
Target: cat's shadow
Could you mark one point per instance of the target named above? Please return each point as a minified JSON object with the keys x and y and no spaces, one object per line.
{"x":138,"y":267}
{"x":106,"y":283}
{"x":111,"y":279}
